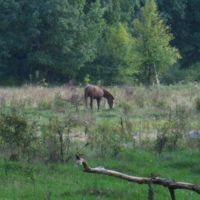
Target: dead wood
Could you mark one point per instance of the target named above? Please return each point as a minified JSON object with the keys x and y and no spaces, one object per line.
{"x":171,"y":184}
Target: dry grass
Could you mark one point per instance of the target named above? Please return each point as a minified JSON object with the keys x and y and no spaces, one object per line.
{"x":145,"y":108}
{"x":172,"y":95}
{"x":35,"y":94}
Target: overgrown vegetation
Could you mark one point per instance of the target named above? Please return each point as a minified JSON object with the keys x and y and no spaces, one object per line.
{"x":99,"y":41}
{"x":41,"y":130}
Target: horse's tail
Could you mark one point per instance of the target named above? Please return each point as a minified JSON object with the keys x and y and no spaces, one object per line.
{"x":86,"y":93}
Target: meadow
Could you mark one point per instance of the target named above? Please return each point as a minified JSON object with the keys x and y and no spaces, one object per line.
{"x":147,"y":132}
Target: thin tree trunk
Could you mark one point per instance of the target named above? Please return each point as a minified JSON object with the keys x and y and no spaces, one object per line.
{"x":148,"y":75}
{"x":156,"y":74}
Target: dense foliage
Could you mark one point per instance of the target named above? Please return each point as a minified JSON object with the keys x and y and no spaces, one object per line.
{"x":99,"y":41}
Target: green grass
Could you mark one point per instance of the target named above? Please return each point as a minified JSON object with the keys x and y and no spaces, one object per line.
{"x":137,"y":111}
{"x":66,"y":181}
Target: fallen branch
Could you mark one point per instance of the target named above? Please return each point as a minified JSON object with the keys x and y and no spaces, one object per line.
{"x":171,"y":184}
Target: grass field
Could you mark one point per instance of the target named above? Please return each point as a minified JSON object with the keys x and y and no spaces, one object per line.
{"x":41,"y":130}
{"x":65,"y":181}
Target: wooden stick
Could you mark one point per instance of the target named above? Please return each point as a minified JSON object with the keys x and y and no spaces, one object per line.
{"x":171,"y":190}
{"x":171,"y":184}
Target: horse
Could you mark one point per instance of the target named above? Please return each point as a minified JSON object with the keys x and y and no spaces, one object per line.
{"x":97,"y":92}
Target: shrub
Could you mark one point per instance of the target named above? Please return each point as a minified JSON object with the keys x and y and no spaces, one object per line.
{"x":140,"y":103}
{"x":197,"y":103}
{"x":108,"y":138}
{"x":173,"y":75}
{"x":44,"y":105}
{"x":16,"y":133}
{"x":172,"y":129}
{"x":58,"y":101}
{"x":56,"y":139}
{"x":126,"y":107}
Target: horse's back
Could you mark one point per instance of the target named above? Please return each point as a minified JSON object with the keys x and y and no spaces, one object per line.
{"x":93,"y":91}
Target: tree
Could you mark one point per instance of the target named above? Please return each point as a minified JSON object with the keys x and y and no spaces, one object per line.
{"x":55,"y":38}
{"x":183,"y":16}
{"x":152,"y":52}
{"x":112,"y":64}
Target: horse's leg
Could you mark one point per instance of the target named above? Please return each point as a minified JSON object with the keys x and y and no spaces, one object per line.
{"x":98,"y":103}
{"x":91,"y":101}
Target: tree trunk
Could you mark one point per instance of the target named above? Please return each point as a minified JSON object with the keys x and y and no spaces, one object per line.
{"x":156,"y":74}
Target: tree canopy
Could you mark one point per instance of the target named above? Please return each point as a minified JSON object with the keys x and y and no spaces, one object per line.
{"x":152,"y":50}
{"x":109,"y":41}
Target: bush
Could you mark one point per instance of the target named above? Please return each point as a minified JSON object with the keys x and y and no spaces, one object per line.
{"x":44,"y":105}
{"x":173,"y":75}
{"x":108,"y":138}
{"x":197,"y":103}
{"x":126,"y":107}
{"x":16,"y":134}
{"x":172,"y":129}
{"x":58,"y":101}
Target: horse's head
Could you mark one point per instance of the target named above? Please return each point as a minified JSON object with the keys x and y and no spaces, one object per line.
{"x":111,"y":102}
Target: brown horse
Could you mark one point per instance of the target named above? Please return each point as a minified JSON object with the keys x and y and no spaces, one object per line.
{"x":97,"y":92}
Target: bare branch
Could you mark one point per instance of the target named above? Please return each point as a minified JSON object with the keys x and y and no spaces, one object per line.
{"x":171,"y":184}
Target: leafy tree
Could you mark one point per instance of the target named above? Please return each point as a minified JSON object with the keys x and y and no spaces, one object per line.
{"x":152,"y":52}
{"x":17,"y":29}
{"x":183,"y":16}
{"x":51,"y":37}
{"x":112,"y":64}
{"x":113,"y":48}
{"x":119,"y":11}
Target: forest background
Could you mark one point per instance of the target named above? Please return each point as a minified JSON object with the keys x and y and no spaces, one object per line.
{"x":104,"y":42}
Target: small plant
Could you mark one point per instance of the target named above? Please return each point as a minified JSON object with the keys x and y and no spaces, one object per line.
{"x":197,"y":103}
{"x":140,"y":103}
{"x":56,"y":138}
{"x":76,"y":100}
{"x":126,"y":107}
{"x":87,"y":78}
{"x":44,"y":105}
{"x":162,"y":139}
{"x":171,"y":130}
{"x":107,"y":138}
{"x":16,"y":133}
{"x":58,"y":101}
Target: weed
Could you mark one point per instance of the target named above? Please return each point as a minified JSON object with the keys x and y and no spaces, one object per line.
{"x":15,"y":132}
{"x":172,"y":130}
{"x":108,"y":138}
{"x":44,"y":105}
{"x":58,"y":100}
{"x":126,"y":107}
{"x":197,"y":104}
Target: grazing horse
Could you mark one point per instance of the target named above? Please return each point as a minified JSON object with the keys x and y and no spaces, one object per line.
{"x":97,"y":92}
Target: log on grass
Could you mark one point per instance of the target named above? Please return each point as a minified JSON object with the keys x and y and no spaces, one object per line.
{"x":171,"y":184}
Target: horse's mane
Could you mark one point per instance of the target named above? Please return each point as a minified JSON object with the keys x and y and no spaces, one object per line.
{"x":107,"y":93}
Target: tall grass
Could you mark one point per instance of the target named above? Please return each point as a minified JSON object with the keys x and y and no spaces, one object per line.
{"x":127,"y":138}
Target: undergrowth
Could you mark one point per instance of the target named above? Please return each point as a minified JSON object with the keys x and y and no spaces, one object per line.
{"x":147,"y":132}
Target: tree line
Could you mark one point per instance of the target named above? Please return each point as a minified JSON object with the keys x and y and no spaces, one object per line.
{"x":99,"y":41}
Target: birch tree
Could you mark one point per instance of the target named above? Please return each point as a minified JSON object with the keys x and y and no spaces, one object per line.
{"x":152,"y":50}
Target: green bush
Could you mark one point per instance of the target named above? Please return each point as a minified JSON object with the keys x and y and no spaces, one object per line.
{"x":197,"y":103}
{"x":126,"y":107}
{"x":16,"y":134}
{"x":107,"y":138}
{"x":171,"y":130}
{"x":44,"y":105}
{"x":58,"y":101}
{"x":173,"y":75}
